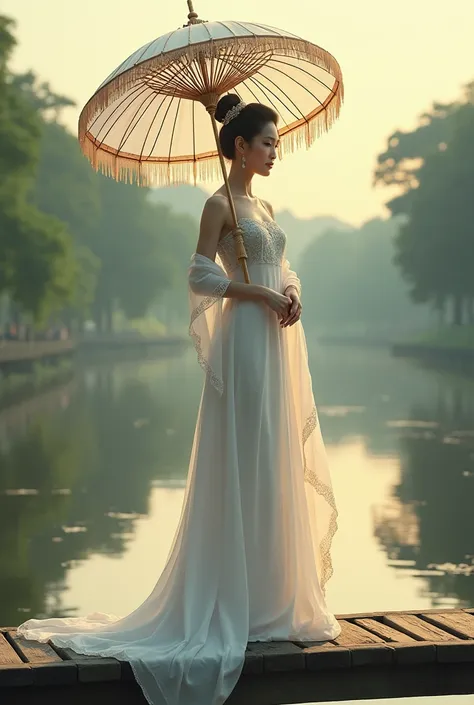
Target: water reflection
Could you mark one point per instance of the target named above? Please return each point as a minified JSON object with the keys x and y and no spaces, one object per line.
{"x":92,"y":478}
{"x":425,"y":420}
{"x":429,"y":523}
{"x":75,"y":480}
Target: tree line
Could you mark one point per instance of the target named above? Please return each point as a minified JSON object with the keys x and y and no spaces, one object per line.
{"x":434,"y":168}
{"x":75,"y":244}
{"x":423,"y":253}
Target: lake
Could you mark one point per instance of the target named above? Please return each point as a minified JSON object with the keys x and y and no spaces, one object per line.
{"x":92,"y":480}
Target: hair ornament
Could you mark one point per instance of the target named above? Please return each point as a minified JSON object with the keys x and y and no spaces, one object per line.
{"x":233,"y":112}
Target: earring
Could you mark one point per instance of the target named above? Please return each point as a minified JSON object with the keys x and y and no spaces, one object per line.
{"x":243,"y":162}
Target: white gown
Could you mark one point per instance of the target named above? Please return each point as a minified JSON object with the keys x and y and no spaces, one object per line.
{"x":251,"y":554}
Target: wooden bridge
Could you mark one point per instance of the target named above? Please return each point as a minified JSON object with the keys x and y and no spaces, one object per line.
{"x":379,"y":655}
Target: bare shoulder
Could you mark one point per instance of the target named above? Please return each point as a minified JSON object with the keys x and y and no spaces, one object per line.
{"x":216,"y":205}
{"x":269,"y":207}
{"x":213,"y":218}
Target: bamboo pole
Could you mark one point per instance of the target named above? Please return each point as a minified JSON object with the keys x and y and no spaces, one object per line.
{"x":209,"y":100}
{"x":240,"y":250}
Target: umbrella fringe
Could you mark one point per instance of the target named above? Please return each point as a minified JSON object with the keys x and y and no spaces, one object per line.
{"x":307,"y":133}
{"x":151,"y":173}
{"x":166,"y":173}
{"x":163,"y":172}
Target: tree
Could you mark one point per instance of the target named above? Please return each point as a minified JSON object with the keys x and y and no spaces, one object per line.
{"x":351,"y":283}
{"x":400,"y":164}
{"x":72,"y":240}
{"x":435,"y":248}
{"x":433,"y":167}
{"x":35,"y":250}
{"x":124,"y":240}
{"x":40,"y":96}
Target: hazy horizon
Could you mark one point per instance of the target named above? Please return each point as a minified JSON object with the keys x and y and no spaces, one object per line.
{"x":394,"y":68}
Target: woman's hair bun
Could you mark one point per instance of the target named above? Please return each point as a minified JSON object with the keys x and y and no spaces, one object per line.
{"x":225,"y":104}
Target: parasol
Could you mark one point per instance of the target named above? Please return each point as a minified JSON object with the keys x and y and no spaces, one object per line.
{"x":145,"y":123}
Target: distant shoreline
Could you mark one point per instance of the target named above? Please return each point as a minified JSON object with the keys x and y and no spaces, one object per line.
{"x":27,"y":370}
{"x":461,"y":359}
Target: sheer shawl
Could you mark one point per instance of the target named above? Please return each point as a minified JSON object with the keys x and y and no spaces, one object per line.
{"x":289,"y":277}
{"x":207,"y":284}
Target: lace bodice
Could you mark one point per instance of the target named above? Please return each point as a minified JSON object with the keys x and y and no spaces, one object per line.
{"x":265,"y":242}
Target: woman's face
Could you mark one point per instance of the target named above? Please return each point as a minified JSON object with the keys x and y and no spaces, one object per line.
{"x":261,"y":153}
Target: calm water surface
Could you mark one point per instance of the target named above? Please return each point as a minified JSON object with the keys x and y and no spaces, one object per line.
{"x":92,"y":481}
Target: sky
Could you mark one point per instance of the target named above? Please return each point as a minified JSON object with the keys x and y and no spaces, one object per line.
{"x":396,"y":58}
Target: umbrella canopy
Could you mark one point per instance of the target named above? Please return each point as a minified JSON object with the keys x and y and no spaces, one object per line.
{"x":147,"y":121}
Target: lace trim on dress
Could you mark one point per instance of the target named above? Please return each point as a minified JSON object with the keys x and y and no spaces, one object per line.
{"x":206,"y":303}
{"x":264,"y":242}
{"x":325,"y":491}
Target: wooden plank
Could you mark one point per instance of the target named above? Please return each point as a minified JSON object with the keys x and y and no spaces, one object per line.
{"x":383,"y":630}
{"x":278,"y":655}
{"x":366,"y":648}
{"x":91,"y":669}
{"x":253,"y":664}
{"x":98,"y":669}
{"x":406,"y":649}
{"x":114,"y":693}
{"x":415,"y":641}
{"x":15,"y":674}
{"x":69,"y":654}
{"x":324,"y":655}
{"x":461,"y":624}
{"x":372,"y":655}
{"x":380,"y":615}
{"x":414,"y":652}
{"x":127,"y":671}
{"x":417,"y":628}
{"x":13,"y":671}
{"x":353,"y":635}
{"x":46,"y":666}
{"x":56,"y":674}
{"x":32,"y":651}
{"x":426,"y":680}
{"x":455,"y":652}
{"x":8,"y":655}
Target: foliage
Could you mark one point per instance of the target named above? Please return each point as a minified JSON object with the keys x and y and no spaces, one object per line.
{"x":350,"y":283}
{"x":434,"y":168}
{"x":35,"y":250}
{"x":74,"y":242}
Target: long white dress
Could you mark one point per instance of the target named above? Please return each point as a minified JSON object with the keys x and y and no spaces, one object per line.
{"x":251,"y":554}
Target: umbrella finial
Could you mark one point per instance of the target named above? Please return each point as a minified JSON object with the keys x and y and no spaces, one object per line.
{"x":193,"y":16}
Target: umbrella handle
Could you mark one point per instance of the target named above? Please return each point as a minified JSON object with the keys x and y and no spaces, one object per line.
{"x":237,"y":232}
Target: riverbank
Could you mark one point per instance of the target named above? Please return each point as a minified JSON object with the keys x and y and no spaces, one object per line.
{"x":139,"y":343}
{"x":19,"y":387}
{"x":450,"y":347}
{"x":30,"y":368}
{"x":19,"y":356}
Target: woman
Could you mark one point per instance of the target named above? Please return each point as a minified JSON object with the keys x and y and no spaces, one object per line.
{"x":251,"y":554}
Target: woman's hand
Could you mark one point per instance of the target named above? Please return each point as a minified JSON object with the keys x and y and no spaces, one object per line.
{"x":295,"y":309}
{"x":280,"y":303}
